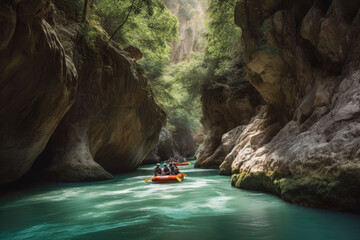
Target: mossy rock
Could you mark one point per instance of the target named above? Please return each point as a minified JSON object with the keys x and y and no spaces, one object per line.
{"x":332,"y":192}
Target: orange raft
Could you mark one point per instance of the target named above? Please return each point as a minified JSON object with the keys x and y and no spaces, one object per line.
{"x":166,"y":178}
{"x":184,"y":163}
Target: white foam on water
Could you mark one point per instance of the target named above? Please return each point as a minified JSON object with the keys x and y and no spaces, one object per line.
{"x":52,"y":196}
{"x":99,"y":214}
{"x":116,"y":192}
{"x":66,"y":231}
{"x":117,"y":202}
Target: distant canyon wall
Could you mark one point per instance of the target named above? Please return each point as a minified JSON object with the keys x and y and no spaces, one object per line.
{"x":191,"y":15}
{"x":181,"y":142}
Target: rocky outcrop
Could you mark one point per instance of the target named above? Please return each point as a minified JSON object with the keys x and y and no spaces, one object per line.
{"x":38,"y":84}
{"x":135,"y":53}
{"x":48,"y":64}
{"x":304,"y":61}
{"x":224,"y":108}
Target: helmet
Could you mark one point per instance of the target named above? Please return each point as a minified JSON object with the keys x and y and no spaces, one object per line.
{"x":158,"y":164}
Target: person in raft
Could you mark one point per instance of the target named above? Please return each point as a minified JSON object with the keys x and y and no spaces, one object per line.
{"x":166,"y":170}
{"x":157,"y":170}
{"x":176,"y":170}
{"x":172,"y":168}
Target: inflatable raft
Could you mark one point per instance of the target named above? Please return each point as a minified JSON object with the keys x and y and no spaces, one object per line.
{"x":184,"y":163}
{"x":166,"y":178}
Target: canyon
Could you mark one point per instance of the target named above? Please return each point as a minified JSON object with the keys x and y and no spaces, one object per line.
{"x":74,"y":107}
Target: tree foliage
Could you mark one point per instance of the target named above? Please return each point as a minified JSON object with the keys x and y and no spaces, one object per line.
{"x":182,"y":105}
{"x":146,"y":24}
{"x":221,"y":62}
{"x":149,"y":25}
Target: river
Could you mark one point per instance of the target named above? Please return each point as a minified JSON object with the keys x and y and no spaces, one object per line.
{"x":203,"y":206}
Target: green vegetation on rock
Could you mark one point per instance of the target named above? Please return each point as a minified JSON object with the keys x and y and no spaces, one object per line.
{"x":151,"y":28}
{"x":221,"y":61}
{"x":149,"y":25}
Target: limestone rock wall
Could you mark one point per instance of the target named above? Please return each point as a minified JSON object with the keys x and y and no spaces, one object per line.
{"x":38,"y":83}
{"x":185,"y":144}
{"x":164,"y":148}
{"x":114,"y":122}
{"x":81,"y":98}
{"x":179,"y":143}
{"x":224,"y":108}
{"x":303,"y":58}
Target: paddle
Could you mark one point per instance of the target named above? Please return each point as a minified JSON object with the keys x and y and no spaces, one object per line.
{"x":148,"y":179}
{"x":184,"y":174}
{"x":179,"y":179}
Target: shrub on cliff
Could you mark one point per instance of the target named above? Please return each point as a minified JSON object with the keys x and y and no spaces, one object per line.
{"x":221,"y":62}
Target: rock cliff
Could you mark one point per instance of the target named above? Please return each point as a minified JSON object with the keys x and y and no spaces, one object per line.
{"x":81,"y":93}
{"x":224,"y":108}
{"x":179,"y":143}
{"x":191,"y":15}
{"x":303,"y":57}
{"x":38,"y":84}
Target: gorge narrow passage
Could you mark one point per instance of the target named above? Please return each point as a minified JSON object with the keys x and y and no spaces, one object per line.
{"x":203,"y":206}
{"x":265,"y":93}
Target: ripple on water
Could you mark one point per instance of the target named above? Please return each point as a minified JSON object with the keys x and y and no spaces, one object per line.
{"x":203,"y":206}
{"x":67,"y":231}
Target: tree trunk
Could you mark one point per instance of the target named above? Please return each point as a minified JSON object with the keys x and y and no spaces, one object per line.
{"x":122,"y":24}
{"x":84,"y":11}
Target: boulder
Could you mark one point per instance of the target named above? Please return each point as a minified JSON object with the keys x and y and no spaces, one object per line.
{"x":135,"y":53}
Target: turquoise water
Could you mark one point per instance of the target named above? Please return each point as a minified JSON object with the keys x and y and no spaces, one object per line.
{"x":203,"y":206}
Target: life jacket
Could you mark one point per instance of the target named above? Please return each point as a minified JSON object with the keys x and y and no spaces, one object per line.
{"x":157,"y":170}
{"x":166,"y":170}
{"x":172,"y":168}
